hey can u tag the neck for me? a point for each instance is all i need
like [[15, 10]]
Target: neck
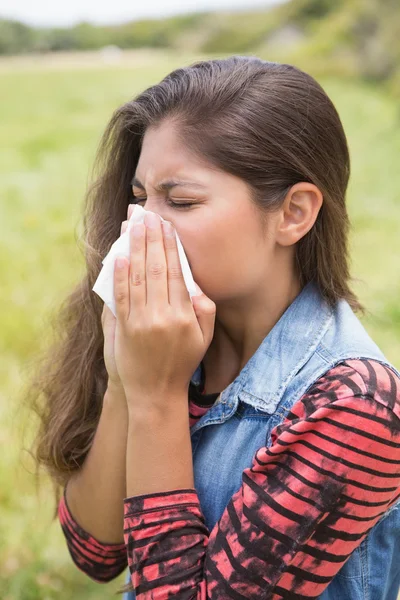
[[242, 324]]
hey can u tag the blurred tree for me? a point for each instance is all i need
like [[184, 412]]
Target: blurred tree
[[15, 37], [353, 37]]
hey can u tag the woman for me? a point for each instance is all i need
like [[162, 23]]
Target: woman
[[283, 480]]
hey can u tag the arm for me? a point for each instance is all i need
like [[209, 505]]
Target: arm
[[303, 507], [91, 513]]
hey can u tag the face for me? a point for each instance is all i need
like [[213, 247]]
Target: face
[[218, 225]]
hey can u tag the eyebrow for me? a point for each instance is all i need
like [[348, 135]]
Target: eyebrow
[[164, 186]]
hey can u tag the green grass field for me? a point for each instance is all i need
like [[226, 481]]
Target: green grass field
[[51, 122]]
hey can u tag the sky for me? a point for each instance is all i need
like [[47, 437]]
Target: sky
[[64, 13]]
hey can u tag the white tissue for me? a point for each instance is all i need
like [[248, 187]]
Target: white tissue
[[104, 285]]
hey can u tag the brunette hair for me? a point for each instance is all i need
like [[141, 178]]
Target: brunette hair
[[270, 124]]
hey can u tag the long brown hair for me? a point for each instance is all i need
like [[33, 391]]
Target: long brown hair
[[270, 124]]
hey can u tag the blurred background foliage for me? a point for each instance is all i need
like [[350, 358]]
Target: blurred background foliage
[[53, 111], [352, 37]]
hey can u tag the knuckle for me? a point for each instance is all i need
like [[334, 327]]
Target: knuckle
[[156, 270], [120, 296], [182, 319], [133, 328], [136, 278], [175, 272], [139, 320], [157, 325]]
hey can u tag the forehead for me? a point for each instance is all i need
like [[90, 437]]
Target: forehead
[[163, 154], [164, 134]]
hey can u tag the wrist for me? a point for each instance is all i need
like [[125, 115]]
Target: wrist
[[147, 407]]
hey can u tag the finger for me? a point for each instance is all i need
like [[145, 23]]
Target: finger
[[108, 314], [130, 209], [177, 290], [124, 225], [104, 312], [121, 288], [137, 268], [156, 264], [107, 317]]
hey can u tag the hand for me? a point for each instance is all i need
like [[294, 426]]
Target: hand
[[108, 323], [160, 336]]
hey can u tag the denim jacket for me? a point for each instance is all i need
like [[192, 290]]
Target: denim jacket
[[309, 339]]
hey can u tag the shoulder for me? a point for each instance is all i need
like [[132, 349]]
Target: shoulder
[[360, 378], [355, 386], [354, 404]]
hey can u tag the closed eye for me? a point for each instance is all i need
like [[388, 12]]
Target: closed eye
[[178, 205]]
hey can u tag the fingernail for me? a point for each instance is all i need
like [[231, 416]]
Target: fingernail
[[168, 229], [120, 262], [151, 220]]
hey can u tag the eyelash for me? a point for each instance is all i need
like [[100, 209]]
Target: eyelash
[[169, 202]]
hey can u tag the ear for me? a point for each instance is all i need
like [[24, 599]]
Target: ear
[[298, 213]]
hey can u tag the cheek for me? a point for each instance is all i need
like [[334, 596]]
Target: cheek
[[221, 263]]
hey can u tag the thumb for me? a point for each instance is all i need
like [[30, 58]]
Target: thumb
[[205, 310]]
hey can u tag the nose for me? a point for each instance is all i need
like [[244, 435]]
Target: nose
[[146, 206]]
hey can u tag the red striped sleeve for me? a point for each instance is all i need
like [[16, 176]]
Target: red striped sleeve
[[307, 501], [196, 412], [100, 561]]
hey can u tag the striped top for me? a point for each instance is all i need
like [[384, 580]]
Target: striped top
[[199, 401], [305, 503]]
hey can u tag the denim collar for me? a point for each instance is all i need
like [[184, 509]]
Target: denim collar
[[287, 347], [283, 352]]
